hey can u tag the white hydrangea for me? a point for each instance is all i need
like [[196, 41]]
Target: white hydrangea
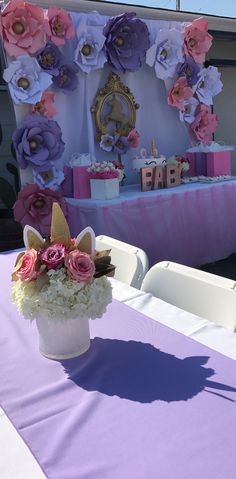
[[61, 298]]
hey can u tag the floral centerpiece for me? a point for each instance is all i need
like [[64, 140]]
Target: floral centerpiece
[[105, 170], [104, 180], [61, 283]]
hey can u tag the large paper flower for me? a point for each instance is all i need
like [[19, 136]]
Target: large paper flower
[[23, 28], [179, 93], [46, 105], [61, 25], [205, 124], [89, 53], [197, 40], [49, 179], [38, 142], [34, 207], [166, 53], [26, 80], [190, 69], [209, 85], [127, 40], [50, 59], [121, 144], [67, 78], [188, 114]]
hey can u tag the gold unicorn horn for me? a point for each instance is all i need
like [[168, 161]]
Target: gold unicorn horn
[[60, 232]]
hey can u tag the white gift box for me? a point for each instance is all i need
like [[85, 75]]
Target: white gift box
[[104, 189]]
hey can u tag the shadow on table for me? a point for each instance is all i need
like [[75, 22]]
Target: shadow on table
[[140, 372]]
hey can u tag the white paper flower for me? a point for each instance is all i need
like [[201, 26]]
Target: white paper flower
[[166, 53], [89, 53], [188, 114], [26, 80], [209, 85], [49, 179]]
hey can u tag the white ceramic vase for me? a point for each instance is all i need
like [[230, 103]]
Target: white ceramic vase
[[63, 338]]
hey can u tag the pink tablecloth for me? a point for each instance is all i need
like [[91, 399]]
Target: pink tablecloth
[[191, 224]]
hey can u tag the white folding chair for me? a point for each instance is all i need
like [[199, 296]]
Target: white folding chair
[[131, 262], [207, 295]]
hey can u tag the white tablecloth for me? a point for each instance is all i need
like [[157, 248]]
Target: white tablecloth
[[17, 462]]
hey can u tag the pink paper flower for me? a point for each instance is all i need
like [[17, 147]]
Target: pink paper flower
[[134, 138], [34, 207], [197, 40], [23, 28], [61, 25], [53, 256], [80, 266], [27, 268], [205, 124], [180, 93], [46, 105]]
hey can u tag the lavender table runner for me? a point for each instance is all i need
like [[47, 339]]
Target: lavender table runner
[[144, 402]]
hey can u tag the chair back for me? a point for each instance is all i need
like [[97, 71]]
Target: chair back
[[131, 262], [207, 295]]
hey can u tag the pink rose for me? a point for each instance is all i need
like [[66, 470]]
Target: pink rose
[[61, 25], [28, 267], [53, 256], [80, 266], [134, 138], [197, 40], [23, 28], [205, 124], [180, 93]]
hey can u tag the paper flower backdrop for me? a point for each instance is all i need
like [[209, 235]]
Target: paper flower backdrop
[[178, 55], [39, 68]]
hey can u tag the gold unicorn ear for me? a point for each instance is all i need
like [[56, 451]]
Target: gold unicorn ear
[[32, 238], [85, 241], [60, 232]]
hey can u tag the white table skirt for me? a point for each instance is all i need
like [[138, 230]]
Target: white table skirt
[[16, 460]]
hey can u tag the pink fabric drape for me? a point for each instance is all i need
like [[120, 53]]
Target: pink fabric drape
[[190, 224]]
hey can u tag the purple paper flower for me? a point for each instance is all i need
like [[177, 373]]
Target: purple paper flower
[[166, 53], [38, 142], [121, 144], [209, 85], [51, 178], [127, 40], [190, 69], [50, 59], [89, 53], [26, 80], [67, 79]]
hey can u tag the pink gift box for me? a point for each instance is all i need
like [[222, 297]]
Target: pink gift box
[[191, 157], [67, 184], [212, 163], [81, 182], [219, 163]]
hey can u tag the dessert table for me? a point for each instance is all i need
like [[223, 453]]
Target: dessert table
[[153, 397], [192, 224]]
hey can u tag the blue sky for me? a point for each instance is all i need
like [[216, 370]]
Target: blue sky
[[224, 8]]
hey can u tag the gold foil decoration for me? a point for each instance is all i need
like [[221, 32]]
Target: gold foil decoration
[[60, 232]]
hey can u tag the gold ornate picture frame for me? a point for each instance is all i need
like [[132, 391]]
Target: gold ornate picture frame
[[114, 109]]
